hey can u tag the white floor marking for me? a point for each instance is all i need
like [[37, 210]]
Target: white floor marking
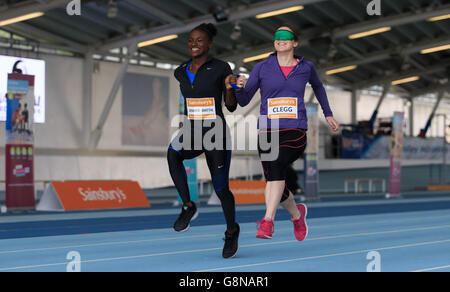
[[432, 269], [254, 245], [328, 255], [281, 230]]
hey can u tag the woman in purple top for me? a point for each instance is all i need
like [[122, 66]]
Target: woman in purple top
[[282, 124]]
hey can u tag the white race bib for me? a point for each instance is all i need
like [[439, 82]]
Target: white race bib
[[201, 108], [282, 108]]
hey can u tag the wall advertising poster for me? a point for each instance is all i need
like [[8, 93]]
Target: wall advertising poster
[[145, 110], [19, 142], [190, 165], [395, 172], [311, 171], [30, 67]]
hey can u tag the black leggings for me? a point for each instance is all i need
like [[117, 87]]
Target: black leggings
[[292, 179], [291, 145], [219, 166]]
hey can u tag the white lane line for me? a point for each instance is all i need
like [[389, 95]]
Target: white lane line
[[431, 269], [328, 255], [111, 259], [335, 225], [102, 244], [241, 246], [379, 233], [206, 209], [215, 235]]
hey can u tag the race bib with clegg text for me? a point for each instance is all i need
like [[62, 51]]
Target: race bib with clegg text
[[282, 108], [201, 108]]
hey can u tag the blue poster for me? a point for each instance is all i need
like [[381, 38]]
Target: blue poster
[[190, 167], [181, 103], [311, 177], [18, 86], [311, 157], [12, 108]]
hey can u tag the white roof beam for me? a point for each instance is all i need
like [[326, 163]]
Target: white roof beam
[[156, 12], [72, 45], [381, 55], [394, 20], [30, 7], [427, 70], [187, 26], [433, 88]]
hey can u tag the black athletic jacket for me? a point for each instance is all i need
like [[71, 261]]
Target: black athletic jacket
[[209, 82]]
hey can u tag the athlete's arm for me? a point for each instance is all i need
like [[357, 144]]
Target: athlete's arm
[[319, 91], [230, 100], [245, 94], [230, 96], [321, 95]]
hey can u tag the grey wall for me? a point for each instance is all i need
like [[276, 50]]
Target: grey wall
[[64, 127]]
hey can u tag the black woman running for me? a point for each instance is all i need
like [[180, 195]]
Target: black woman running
[[202, 84]]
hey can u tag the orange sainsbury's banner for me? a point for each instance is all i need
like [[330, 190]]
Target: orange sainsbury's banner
[[248, 191], [92, 195]]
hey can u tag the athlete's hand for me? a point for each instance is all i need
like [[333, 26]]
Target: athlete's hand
[[241, 81], [230, 79], [235, 80], [333, 124]]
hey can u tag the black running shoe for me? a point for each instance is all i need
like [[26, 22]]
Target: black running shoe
[[187, 215], [231, 246]]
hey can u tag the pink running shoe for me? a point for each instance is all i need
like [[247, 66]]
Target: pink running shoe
[[300, 226], [265, 229]]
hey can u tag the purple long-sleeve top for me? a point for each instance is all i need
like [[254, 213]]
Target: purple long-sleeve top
[[268, 77]]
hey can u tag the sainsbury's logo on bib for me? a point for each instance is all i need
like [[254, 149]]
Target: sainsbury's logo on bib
[[282, 108], [201, 108]]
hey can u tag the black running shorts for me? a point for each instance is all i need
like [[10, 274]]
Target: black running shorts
[[291, 145]]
